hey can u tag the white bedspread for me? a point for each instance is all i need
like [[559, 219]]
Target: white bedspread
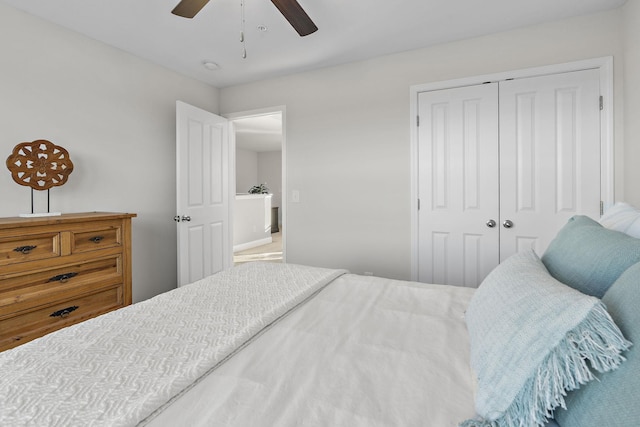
[[120, 367], [364, 352]]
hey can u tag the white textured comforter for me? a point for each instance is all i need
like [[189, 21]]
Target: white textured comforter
[[364, 352], [117, 369]]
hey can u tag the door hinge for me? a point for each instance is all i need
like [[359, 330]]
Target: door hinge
[[418, 204], [601, 207], [601, 102], [418, 121]]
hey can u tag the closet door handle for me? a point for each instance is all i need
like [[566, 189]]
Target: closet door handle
[[491, 223], [507, 224]]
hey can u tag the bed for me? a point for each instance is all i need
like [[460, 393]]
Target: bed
[[291, 345]]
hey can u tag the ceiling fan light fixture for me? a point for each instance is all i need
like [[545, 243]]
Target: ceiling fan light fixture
[[210, 65]]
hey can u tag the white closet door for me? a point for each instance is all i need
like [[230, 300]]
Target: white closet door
[[549, 156], [458, 184]]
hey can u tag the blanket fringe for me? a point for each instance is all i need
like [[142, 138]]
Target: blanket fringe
[[596, 339]]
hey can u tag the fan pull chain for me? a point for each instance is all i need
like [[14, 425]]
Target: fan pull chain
[[244, 47]]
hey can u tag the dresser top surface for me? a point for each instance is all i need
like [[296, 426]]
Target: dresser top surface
[[67, 218]]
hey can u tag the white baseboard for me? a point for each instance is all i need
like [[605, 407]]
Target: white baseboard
[[252, 244]]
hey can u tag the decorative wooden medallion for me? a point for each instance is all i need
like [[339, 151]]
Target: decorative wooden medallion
[[39, 164]]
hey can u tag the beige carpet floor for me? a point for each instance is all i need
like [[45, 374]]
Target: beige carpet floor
[[267, 253]]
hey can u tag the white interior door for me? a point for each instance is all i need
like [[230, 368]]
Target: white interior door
[[458, 184], [202, 170], [549, 156]]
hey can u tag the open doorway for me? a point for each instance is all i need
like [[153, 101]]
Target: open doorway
[[258, 211]]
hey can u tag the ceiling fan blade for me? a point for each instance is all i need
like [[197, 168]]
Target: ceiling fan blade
[[189, 8], [296, 16]]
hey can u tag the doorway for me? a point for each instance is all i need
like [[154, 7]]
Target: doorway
[[258, 218]]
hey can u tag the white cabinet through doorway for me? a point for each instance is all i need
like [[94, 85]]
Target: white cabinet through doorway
[[501, 167]]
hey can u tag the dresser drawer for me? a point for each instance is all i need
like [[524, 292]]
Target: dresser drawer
[[33, 324], [31, 247], [24, 290], [99, 236]]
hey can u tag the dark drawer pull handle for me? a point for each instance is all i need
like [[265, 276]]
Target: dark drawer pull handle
[[64, 312], [25, 249], [96, 239], [62, 278]]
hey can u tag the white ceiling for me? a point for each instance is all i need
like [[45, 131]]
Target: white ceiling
[[348, 30], [259, 133]]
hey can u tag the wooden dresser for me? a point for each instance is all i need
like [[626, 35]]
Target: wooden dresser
[[60, 270]]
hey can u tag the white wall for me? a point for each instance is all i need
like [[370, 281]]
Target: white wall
[[252, 221], [115, 114], [348, 135], [246, 170], [270, 171], [631, 14]]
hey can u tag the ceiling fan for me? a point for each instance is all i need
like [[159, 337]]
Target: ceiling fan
[[290, 9]]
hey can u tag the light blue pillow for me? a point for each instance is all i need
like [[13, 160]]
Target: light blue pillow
[[530, 340], [613, 401], [589, 257]]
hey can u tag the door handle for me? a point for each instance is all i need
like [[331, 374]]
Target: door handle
[[507, 224], [491, 223], [186, 218]]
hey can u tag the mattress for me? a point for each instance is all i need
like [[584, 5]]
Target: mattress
[[365, 351]]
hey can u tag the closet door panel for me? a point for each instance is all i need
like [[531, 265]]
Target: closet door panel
[[525, 153], [549, 156], [458, 181]]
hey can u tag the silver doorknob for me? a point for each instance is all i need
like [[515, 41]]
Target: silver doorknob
[[186, 218], [491, 223], [507, 224]]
